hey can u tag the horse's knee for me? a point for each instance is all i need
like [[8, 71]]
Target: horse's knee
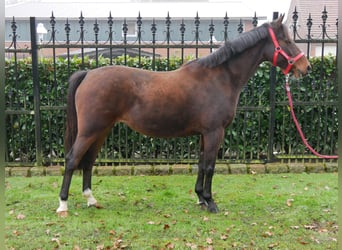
[[198, 189], [209, 171], [199, 184]]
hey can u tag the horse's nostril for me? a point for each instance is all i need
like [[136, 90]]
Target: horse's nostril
[[309, 69]]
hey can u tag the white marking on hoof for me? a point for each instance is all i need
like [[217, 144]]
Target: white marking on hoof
[[205, 203], [90, 198], [63, 206]]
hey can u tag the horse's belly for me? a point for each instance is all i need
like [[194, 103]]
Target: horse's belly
[[162, 126]]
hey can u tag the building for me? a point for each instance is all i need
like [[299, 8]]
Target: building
[[131, 20], [313, 24]]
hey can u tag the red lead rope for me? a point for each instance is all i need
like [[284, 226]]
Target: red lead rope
[[287, 87]]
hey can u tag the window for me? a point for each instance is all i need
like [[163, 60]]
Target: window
[[132, 29]]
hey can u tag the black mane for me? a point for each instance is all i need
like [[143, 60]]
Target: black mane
[[232, 48]]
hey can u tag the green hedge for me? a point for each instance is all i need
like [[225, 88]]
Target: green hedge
[[246, 139]]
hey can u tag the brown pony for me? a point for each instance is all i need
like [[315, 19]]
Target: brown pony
[[199, 98]]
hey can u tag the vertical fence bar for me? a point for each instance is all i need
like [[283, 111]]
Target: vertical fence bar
[[225, 24], [124, 31], [339, 77], [50, 87], [153, 30], [294, 19], [324, 32], [14, 37], [139, 23], [36, 90], [240, 27], [197, 23], [182, 30], [255, 20], [337, 40], [11, 96], [67, 30], [168, 24], [110, 37], [270, 155], [81, 23], [2, 100], [309, 25], [96, 33], [53, 38], [2, 116], [211, 34]]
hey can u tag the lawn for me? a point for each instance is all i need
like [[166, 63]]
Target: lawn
[[288, 211]]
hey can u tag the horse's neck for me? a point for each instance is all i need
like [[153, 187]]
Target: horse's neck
[[245, 64]]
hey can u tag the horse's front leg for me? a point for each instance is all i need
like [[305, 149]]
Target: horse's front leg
[[212, 142], [207, 193]]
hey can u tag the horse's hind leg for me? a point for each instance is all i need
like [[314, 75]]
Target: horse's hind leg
[[73, 158], [87, 166]]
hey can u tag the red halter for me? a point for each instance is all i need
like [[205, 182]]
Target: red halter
[[278, 50]]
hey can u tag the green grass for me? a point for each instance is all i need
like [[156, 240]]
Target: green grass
[[292, 211]]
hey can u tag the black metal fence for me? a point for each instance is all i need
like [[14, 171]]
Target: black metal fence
[[262, 130]]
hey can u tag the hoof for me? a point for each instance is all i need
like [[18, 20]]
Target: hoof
[[62, 214], [208, 205], [212, 208], [96, 205]]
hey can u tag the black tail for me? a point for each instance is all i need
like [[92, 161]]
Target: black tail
[[71, 119]]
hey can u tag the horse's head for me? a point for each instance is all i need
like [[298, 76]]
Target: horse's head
[[283, 51]]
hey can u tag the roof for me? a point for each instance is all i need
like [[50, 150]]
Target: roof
[[73, 8], [305, 8]]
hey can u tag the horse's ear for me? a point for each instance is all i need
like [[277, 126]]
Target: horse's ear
[[280, 19]]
